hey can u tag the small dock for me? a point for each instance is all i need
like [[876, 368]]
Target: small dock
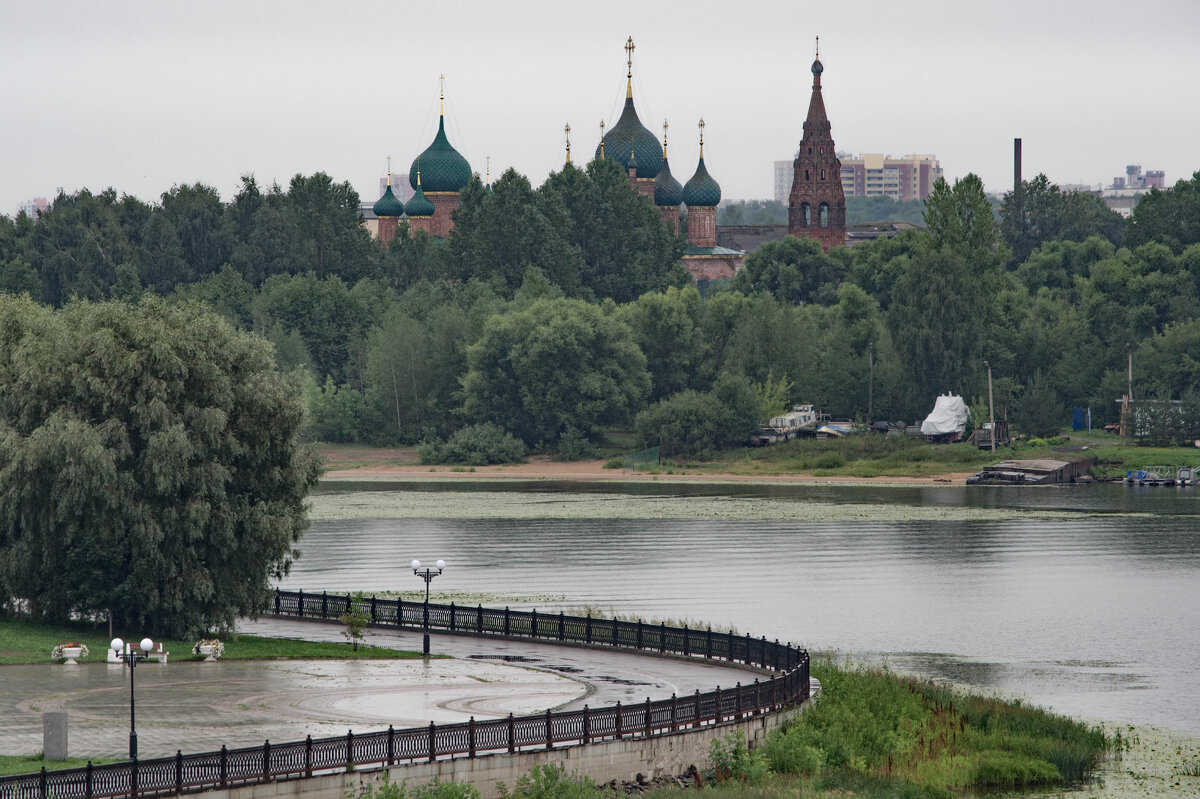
[[1032, 472]]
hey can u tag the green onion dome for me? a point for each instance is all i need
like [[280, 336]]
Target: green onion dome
[[441, 166], [817, 69], [388, 205], [628, 139], [419, 205], [667, 191], [701, 191]]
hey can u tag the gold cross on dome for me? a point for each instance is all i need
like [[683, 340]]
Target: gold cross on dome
[[629, 47], [701, 126], [664, 133], [818, 48]]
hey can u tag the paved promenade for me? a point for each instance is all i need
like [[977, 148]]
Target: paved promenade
[[197, 706]]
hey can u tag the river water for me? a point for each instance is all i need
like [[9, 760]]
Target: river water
[[1084, 599]]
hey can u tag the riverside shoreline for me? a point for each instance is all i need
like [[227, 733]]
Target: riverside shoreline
[[542, 467]]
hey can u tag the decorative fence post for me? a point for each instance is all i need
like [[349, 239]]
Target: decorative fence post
[[300, 603], [374, 617], [87, 781], [685, 641], [639, 633], [391, 744], [512, 734], [618, 720], [506, 619], [452, 617], [224, 767], [708, 645], [432, 743], [647, 717], [662, 637], [471, 738], [533, 623], [479, 619], [587, 626], [587, 725], [696, 709], [308, 756], [349, 749], [758, 706], [324, 605], [399, 612], [717, 709], [561, 626], [549, 730], [266, 772], [737, 706], [178, 772], [42, 785], [276, 601], [133, 779], [674, 712]]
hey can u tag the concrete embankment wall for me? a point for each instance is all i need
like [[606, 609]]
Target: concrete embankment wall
[[657, 756]]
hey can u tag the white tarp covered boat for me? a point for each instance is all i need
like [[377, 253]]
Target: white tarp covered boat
[[948, 418]]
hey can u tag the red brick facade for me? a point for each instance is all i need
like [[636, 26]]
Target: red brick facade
[[444, 204], [702, 227]]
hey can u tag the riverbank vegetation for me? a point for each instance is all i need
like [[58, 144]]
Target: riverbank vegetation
[[587, 319], [24, 641]]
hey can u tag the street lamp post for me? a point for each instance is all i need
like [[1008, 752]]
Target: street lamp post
[[991, 408], [131, 656], [427, 574]]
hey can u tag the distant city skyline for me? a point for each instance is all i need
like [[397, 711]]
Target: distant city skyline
[[141, 96]]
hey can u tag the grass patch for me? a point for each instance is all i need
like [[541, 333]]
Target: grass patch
[[935, 740], [23, 641], [29, 764]]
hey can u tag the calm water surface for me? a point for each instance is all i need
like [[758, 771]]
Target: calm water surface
[[1092, 610]]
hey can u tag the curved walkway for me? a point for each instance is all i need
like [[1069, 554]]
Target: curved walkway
[[198, 707]]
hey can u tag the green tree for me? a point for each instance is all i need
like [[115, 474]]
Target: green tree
[[1040, 411], [936, 326], [1170, 217], [793, 270], [149, 465], [558, 364], [961, 218], [1038, 211], [666, 328]]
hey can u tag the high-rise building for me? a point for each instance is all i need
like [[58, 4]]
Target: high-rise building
[[34, 207], [817, 204], [902, 179]]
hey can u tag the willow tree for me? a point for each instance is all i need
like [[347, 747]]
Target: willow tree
[[150, 465]]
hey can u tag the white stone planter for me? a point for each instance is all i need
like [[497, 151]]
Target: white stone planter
[[207, 651], [70, 653]]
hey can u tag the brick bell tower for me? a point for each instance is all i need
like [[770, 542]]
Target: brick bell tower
[[817, 204]]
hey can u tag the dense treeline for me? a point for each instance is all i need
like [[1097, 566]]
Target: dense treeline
[[552, 312]]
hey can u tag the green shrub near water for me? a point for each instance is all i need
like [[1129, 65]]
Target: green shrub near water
[[474, 445]]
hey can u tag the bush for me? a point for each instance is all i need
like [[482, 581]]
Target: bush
[[475, 445], [731, 760], [551, 781], [573, 445]]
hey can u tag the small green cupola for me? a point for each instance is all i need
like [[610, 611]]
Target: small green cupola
[[388, 204], [701, 191], [443, 167], [668, 193], [419, 205]]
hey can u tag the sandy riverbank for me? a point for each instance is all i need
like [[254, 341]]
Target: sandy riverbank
[[399, 464]]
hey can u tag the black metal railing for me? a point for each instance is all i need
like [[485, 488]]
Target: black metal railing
[[255, 764]]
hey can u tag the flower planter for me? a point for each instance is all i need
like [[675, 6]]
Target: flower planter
[[206, 650], [70, 653]]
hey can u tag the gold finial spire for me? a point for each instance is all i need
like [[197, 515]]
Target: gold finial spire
[[664, 138], [567, 131], [389, 170], [602, 138], [629, 46], [442, 83], [418, 177], [701, 137], [818, 48], [489, 170]]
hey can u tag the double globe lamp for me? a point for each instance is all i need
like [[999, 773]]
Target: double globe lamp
[[127, 653], [427, 574]]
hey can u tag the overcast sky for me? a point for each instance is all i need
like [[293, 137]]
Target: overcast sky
[[143, 95]]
